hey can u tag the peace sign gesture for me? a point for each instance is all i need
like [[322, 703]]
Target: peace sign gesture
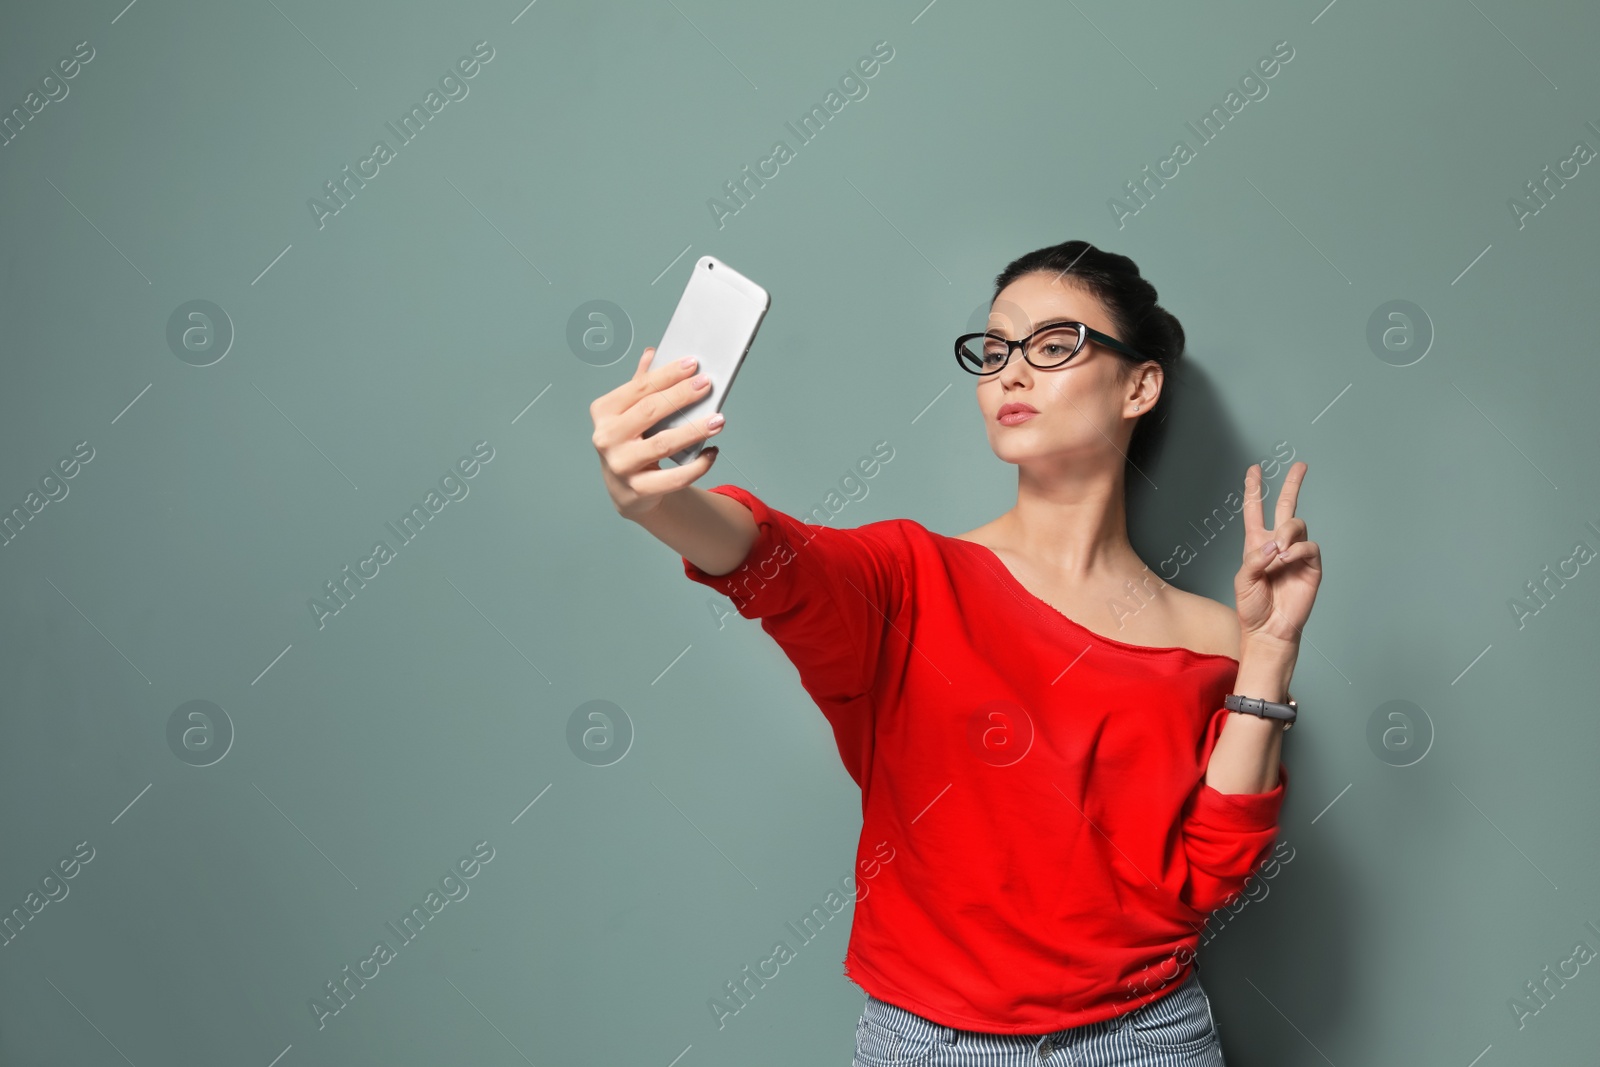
[[1274, 588]]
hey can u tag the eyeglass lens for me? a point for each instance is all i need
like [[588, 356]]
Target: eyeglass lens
[[1048, 349]]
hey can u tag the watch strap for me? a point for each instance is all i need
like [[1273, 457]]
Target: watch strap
[[1266, 709]]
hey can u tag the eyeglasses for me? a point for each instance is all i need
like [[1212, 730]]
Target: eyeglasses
[[1054, 343]]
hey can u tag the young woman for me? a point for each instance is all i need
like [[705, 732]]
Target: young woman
[[1049, 811]]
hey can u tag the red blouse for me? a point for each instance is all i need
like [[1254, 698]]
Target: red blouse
[[1056, 848]]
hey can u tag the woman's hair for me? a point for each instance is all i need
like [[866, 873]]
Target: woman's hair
[[1136, 320]]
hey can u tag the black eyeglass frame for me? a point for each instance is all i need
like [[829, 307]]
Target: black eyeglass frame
[[1085, 334]]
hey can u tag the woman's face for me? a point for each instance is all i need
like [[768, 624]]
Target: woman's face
[[1085, 407]]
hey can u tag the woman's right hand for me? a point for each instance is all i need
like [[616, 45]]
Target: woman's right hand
[[631, 463]]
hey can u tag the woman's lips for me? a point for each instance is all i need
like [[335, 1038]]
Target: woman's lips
[[1015, 417]]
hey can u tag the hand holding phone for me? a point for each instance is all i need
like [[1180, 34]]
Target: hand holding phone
[[631, 465]]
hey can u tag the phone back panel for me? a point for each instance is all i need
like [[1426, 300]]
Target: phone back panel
[[716, 320]]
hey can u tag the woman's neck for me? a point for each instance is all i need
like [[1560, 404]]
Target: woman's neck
[[1076, 526]]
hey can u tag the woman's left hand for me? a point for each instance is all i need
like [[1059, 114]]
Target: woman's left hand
[[1274, 590]]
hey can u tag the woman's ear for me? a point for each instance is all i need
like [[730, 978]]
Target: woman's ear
[[1147, 380]]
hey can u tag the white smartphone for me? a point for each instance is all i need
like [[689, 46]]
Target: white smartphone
[[715, 321]]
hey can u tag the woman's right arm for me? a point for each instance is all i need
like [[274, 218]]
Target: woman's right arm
[[710, 530], [832, 598]]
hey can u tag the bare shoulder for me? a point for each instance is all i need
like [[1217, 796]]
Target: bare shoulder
[[1209, 625], [979, 535]]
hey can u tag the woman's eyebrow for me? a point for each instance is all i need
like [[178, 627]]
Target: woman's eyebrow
[[1041, 326]]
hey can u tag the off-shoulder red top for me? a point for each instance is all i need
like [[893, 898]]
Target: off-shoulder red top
[[1056, 848]]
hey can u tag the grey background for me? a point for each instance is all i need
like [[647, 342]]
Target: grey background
[[371, 354]]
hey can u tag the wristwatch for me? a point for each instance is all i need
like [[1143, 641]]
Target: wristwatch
[[1266, 709]]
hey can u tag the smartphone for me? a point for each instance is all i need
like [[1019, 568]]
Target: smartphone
[[715, 321]]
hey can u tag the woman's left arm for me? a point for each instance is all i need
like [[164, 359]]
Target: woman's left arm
[[1274, 591]]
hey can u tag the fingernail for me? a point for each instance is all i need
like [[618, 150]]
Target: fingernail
[[716, 420], [699, 380], [686, 361], [1269, 548]]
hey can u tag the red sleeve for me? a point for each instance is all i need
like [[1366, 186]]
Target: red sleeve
[[1226, 835], [830, 597]]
